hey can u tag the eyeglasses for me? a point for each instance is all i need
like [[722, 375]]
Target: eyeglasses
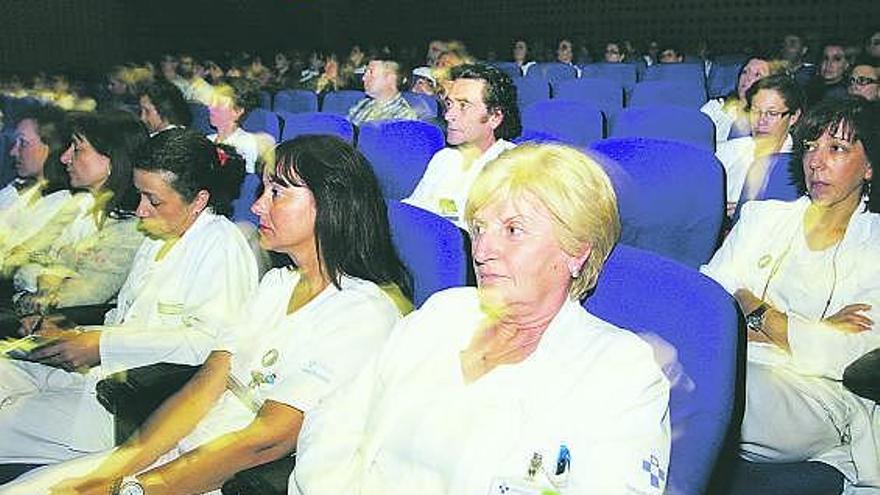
[[769, 114], [861, 80]]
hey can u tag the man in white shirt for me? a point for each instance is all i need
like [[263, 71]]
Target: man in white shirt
[[481, 115]]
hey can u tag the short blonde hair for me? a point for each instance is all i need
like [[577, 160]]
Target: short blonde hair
[[574, 189]]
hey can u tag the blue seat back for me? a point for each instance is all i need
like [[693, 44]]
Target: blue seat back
[[241, 206], [531, 90], [426, 106], [667, 93], [573, 122], [297, 124], [431, 247], [552, 71], [624, 74], [778, 182], [296, 101], [670, 195], [399, 151], [534, 136], [688, 73], [687, 125], [339, 102], [262, 121], [648, 294], [509, 68], [604, 94], [265, 100], [723, 78], [201, 118]]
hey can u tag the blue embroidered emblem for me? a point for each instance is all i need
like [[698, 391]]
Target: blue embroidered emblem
[[652, 467]]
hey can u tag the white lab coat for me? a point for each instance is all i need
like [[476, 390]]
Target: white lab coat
[[447, 181], [410, 424], [169, 311], [294, 359], [770, 233]]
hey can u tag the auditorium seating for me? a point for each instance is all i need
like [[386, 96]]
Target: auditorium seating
[[297, 124], [688, 125], [667, 93], [295, 101], [339, 102], [604, 94], [670, 195], [260, 120], [572, 122], [692, 323], [399, 151]]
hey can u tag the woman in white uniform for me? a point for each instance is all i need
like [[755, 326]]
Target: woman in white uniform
[[730, 115], [41, 186], [83, 254], [510, 387], [164, 312], [806, 276], [309, 328], [774, 105]]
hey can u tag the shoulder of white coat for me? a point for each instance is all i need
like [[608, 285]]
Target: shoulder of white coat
[[770, 209], [368, 300], [621, 343]]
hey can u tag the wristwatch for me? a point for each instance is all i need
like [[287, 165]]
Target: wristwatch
[[130, 486], [755, 319]]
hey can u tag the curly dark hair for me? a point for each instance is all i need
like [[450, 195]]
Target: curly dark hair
[[352, 234], [499, 95], [851, 119]]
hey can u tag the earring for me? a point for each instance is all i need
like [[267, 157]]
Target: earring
[[575, 273], [866, 189]]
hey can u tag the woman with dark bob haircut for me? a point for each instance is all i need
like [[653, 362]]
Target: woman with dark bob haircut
[[162, 313], [806, 277], [310, 327]]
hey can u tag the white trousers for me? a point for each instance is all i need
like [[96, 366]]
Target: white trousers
[[48, 415]]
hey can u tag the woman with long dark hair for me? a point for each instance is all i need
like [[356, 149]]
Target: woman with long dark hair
[[310, 327]]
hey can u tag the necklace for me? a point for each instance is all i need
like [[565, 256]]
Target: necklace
[[775, 269]]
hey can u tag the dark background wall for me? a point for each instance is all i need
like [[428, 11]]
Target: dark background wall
[[86, 34]]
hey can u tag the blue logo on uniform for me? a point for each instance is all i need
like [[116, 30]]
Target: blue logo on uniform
[[652, 467]]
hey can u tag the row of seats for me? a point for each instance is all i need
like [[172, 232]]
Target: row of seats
[[720, 80]]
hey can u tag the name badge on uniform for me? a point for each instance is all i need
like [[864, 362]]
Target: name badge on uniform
[[447, 208], [169, 308]]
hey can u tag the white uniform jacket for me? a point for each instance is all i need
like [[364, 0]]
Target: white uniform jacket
[[448, 178], [410, 424], [768, 237], [171, 310]]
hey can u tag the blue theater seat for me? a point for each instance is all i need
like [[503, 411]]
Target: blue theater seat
[[399, 151], [670, 196], [572, 122], [691, 313], [688, 125], [297, 124]]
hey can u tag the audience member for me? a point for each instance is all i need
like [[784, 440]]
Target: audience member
[[794, 52], [729, 114], [162, 314], [799, 271], [232, 101], [671, 54], [163, 107], [458, 399], [481, 115], [831, 81], [40, 188], [384, 101], [864, 81], [308, 329], [774, 105], [614, 53], [521, 56]]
